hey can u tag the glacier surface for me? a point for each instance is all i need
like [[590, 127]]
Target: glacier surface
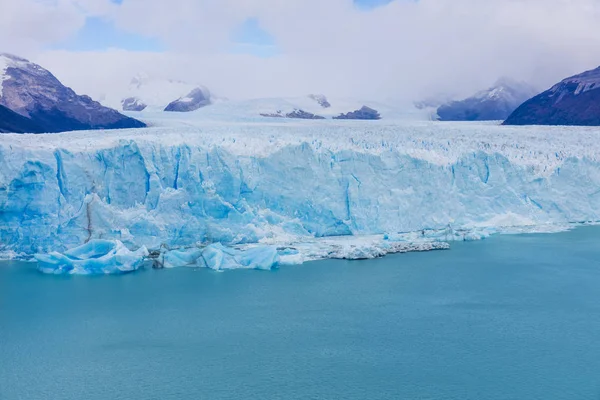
[[285, 183]]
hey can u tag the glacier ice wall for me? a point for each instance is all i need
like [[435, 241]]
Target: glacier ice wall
[[159, 187]]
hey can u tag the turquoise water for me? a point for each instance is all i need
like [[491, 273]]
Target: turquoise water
[[513, 317]]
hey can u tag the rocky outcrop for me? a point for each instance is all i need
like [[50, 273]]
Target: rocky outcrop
[[34, 93], [321, 99], [298, 114], [573, 101], [195, 100], [493, 104], [133, 104], [11, 122], [365, 112]]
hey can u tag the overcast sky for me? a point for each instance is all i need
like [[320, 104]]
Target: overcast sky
[[401, 49]]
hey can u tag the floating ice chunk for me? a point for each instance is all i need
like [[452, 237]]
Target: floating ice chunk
[[182, 258], [262, 257], [95, 257], [218, 257]]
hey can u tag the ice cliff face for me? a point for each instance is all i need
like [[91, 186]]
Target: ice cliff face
[[250, 183]]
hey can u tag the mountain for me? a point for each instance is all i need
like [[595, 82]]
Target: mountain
[[133, 104], [297, 114], [314, 106], [573, 101], [197, 98], [155, 94], [365, 112], [11, 122], [321, 99], [47, 105], [495, 103]]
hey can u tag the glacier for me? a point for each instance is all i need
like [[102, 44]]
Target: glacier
[[206, 193]]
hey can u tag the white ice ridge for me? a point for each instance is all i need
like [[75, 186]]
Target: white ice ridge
[[236, 184]]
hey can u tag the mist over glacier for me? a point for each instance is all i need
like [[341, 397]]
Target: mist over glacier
[[180, 186]]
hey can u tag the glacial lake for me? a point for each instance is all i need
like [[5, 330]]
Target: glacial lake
[[511, 317]]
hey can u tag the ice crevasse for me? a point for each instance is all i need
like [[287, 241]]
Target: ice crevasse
[[192, 188]]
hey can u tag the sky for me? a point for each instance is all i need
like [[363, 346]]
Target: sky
[[405, 50]]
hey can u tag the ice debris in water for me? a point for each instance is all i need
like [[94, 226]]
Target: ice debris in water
[[266, 257], [94, 257], [443, 235], [218, 257], [111, 257]]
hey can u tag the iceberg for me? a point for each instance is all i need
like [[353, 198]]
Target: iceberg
[[213, 188], [218, 257], [94, 257]]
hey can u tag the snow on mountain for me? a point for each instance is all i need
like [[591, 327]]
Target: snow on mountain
[[291, 185], [492, 104], [34, 93], [155, 93], [6, 60], [259, 110], [321, 99], [573, 101], [133, 104], [197, 98]]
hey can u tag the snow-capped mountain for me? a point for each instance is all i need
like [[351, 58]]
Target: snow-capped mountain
[[147, 93], [197, 98], [573, 101], [495, 103], [133, 104], [35, 94]]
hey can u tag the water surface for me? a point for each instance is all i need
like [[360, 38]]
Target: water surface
[[512, 317]]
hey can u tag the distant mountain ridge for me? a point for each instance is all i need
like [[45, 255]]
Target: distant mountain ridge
[[573, 101], [147, 93], [47, 105], [494, 103], [197, 98]]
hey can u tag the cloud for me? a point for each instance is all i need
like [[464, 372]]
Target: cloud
[[27, 26], [406, 49]]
